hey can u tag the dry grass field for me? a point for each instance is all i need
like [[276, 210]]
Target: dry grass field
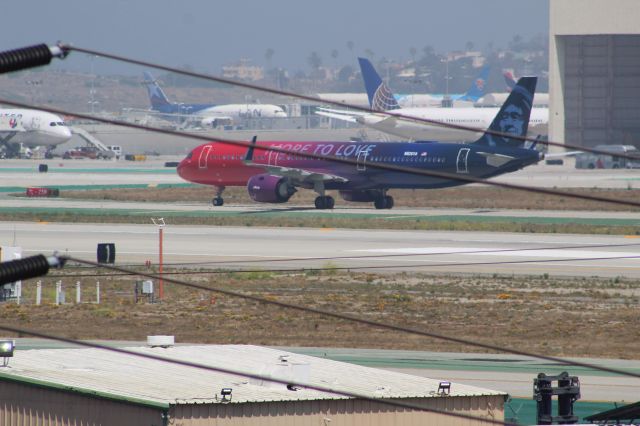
[[555, 316]]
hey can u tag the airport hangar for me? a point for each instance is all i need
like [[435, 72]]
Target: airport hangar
[[58, 387], [594, 72]]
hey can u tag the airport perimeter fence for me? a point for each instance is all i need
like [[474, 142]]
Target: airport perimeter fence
[[75, 292]]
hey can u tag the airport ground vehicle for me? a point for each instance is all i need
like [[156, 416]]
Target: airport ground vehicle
[[87, 152], [117, 151], [588, 160]]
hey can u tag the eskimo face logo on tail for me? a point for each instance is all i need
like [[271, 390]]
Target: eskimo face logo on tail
[[480, 83], [383, 99], [513, 118]]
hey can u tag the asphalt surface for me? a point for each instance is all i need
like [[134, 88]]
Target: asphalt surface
[[376, 251]]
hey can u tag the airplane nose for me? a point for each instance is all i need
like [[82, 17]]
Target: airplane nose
[[65, 132], [184, 169], [180, 169]]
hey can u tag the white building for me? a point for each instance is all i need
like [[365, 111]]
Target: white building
[[93, 386], [594, 72]]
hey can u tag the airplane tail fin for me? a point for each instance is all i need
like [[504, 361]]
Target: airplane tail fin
[[380, 96], [477, 88], [513, 117], [509, 79], [156, 96]]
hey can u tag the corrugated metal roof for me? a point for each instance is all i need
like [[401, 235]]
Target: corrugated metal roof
[[156, 382]]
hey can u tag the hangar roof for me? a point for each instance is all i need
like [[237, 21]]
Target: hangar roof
[[156, 383]]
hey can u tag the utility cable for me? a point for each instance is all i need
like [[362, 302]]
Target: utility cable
[[358, 320], [37, 55], [119, 58], [381, 256], [356, 268]]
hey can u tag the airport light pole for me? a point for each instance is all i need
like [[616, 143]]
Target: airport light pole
[[159, 222]]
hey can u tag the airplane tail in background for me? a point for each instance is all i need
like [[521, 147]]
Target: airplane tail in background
[[509, 79], [513, 116], [380, 96], [477, 88], [156, 96]]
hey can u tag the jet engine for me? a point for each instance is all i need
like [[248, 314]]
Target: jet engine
[[270, 189]]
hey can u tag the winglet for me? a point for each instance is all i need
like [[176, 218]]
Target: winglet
[[248, 158]]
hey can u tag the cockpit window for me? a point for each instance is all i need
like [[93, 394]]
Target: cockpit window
[[60, 123], [52, 124], [189, 155]]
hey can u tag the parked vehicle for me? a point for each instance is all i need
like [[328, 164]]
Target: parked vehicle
[[117, 151], [86, 152], [588, 160]]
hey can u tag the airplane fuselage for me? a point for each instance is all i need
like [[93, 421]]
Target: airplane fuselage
[[32, 128], [479, 118], [220, 164]]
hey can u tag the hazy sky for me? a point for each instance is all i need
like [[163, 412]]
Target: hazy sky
[[207, 33]]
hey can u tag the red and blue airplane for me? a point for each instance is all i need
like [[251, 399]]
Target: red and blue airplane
[[273, 177]]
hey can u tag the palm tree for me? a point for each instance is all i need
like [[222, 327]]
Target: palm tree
[[369, 54], [350, 46], [268, 55], [315, 61]]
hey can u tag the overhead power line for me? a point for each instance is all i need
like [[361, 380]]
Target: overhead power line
[[120, 58], [383, 256]]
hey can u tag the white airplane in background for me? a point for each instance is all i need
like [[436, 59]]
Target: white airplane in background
[[30, 128], [381, 99], [207, 115], [498, 98], [475, 92]]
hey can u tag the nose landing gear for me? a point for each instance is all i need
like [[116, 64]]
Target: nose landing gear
[[218, 200]]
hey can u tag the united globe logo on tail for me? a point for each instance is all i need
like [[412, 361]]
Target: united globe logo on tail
[[383, 99]]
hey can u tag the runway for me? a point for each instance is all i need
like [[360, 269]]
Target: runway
[[384, 251]]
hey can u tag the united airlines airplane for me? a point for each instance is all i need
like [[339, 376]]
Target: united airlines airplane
[[273, 177], [381, 99]]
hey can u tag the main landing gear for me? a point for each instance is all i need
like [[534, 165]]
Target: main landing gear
[[218, 200], [325, 202], [384, 202]]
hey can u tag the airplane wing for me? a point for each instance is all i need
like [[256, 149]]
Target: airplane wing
[[344, 112], [380, 121], [563, 154], [346, 118], [299, 177]]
